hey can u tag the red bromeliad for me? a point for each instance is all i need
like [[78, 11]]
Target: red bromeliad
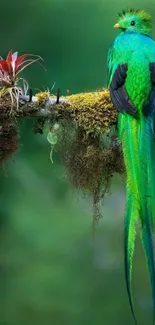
[[13, 66]]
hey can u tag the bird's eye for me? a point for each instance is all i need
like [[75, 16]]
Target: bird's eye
[[132, 23]]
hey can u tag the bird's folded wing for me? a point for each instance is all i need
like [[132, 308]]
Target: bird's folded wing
[[149, 107], [118, 92]]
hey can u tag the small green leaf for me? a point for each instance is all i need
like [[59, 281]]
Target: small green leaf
[[52, 138]]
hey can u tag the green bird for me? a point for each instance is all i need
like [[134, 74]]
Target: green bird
[[131, 80]]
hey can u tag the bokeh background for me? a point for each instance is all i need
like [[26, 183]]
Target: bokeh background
[[52, 271]]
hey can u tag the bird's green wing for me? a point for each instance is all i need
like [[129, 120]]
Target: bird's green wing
[[116, 81]]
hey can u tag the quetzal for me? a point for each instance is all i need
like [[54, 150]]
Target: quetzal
[[131, 67]]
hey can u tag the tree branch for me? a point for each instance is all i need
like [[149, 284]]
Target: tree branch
[[93, 111]]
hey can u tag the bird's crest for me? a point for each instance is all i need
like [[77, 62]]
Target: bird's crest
[[141, 13]]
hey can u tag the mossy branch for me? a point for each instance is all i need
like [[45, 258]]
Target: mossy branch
[[93, 111]]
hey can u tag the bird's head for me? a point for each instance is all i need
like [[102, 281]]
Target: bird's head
[[137, 21]]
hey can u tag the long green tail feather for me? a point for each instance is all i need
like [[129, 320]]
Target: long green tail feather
[[139, 155], [147, 147], [128, 134], [129, 242], [146, 238]]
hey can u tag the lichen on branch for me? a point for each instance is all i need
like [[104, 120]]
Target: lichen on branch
[[93, 111]]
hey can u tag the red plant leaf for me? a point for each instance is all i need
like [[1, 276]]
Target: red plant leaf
[[25, 64], [4, 66], [9, 56], [9, 60], [20, 59], [13, 65]]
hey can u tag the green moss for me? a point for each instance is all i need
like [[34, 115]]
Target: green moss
[[93, 111], [90, 161]]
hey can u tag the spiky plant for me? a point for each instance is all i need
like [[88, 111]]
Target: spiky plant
[[12, 86], [10, 70]]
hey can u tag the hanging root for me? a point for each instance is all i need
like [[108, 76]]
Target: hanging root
[[9, 133], [90, 162], [8, 139], [89, 146]]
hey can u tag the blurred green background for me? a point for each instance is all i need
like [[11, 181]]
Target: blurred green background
[[52, 272]]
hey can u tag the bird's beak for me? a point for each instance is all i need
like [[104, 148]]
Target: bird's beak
[[117, 26]]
